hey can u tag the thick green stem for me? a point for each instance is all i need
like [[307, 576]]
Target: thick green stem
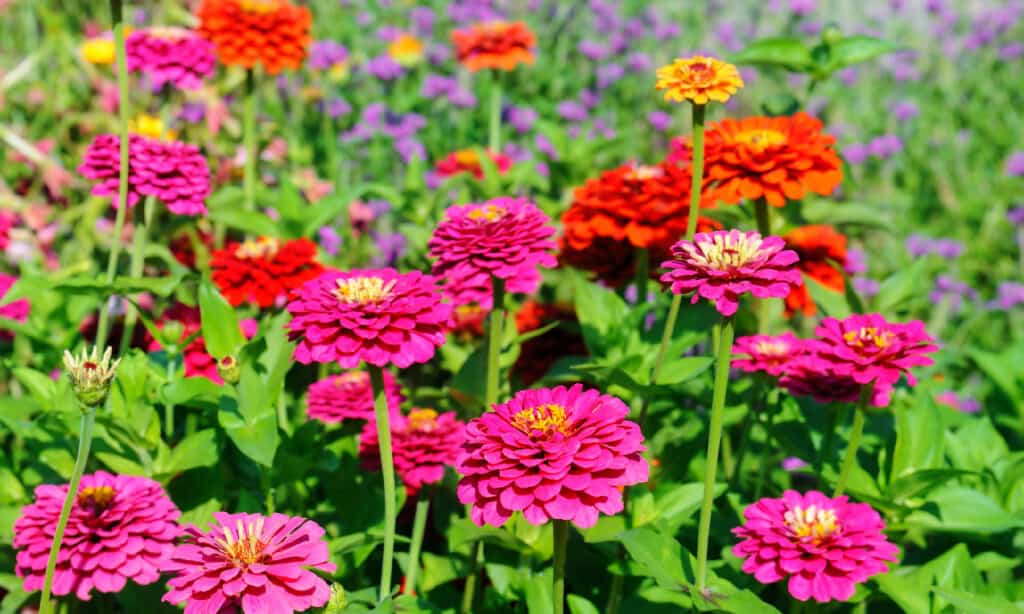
[[475, 562], [169, 407], [561, 540], [494, 127], [249, 129], [494, 333], [136, 267], [763, 216], [697, 174], [84, 441], [859, 418], [387, 467], [419, 525], [714, 440]]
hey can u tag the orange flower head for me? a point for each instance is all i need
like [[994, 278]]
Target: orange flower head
[[274, 33], [819, 246], [406, 49], [698, 79], [494, 44], [778, 159]]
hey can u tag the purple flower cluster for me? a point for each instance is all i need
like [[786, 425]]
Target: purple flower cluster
[[438, 86], [1015, 164], [1009, 294], [953, 291], [881, 147], [920, 245], [325, 54], [401, 128]]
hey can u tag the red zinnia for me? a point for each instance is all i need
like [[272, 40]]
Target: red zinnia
[[274, 33], [261, 271], [818, 246], [494, 44]]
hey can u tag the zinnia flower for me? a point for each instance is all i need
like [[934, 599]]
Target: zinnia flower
[[422, 443], [251, 563], [171, 171], [15, 310], [494, 44], [170, 55], [121, 528], [823, 546], [562, 453], [808, 375], [263, 270], [349, 396], [406, 49], [818, 246], [625, 209], [698, 79], [380, 316], [722, 265], [467, 161], [99, 51], [507, 238], [775, 158], [766, 353], [274, 33]]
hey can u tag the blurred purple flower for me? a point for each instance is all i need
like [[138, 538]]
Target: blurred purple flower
[[667, 31], [545, 146], [856, 261], [634, 28], [336, 107], [659, 120], [609, 74], [639, 62], [865, 286], [388, 33], [904, 110], [330, 242], [917, 245], [390, 246], [422, 18], [1016, 216], [948, 248], [1009, 294], [856, 153], [409, 147], [589, 98], [438, 54], [435, 86], [848, 76], [325, 54], [192, 112], [1011, 51], [572, 111], [593, 50], [522, 118], [792, 463], [384, 68], [810, 27], [963, 403], [462, 98], [885, 146], [1015, 164]]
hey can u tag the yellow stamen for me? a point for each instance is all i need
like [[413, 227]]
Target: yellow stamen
[[246, 546], [726, 251], [467, 157], [422, 420], [543, 418], [406, 49], [644, 172], [351, 378], [490, 213], [760, 139], [260, 6], [772, 348], [264, 247], [867, 336], [362, 289], [97, 497], [814, 522]]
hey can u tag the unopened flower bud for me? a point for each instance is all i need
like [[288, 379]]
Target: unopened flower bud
[[227, 368], [338, 602], [171, 333], [90, 374]]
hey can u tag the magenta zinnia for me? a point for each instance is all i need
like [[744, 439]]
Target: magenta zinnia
[[810, 376], [423, 444], [823, 546], [561, 453], [121, 528], [720, 266], [170, 55], [349, 397], [766, 353], [251, 563], [507, 238], [381, 316]]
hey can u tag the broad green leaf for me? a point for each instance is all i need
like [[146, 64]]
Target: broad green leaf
[[918, 439], [199, 449], [41, 387], [683, 369], [783, 51], [257, 439], [1003, 369], [855, 50], [896, 290], [580, 605], [219, 322], [251, 222], [832, 303], [973, 603], [601, 312], [965, 510], [538, 592], [920, 482]]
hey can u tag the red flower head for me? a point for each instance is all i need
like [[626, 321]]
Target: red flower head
[[423, 444], [766, 353], [775, 158], [274, 33], [562, 453], [816, 245], [264, 270], [823, 546], [349, 396], [467, 161], [494, 44]]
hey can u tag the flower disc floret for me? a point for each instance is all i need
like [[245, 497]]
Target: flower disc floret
[[699, 79]]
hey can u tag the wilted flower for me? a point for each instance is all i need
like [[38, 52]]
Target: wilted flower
[[423, 443], [698, 79], [348, 396], [263, 270], [90, 374], [274, 33]]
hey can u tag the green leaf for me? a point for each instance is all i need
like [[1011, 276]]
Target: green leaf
[[784, 51], [973, 603], [580, 605], [601, 312], [538, 592], [918, 439], [832, 303], [920, 482], [40, 386], [249, 420], [962, 509], [250, 222], [97, 285], [904, 285], [1003, 369], [659, 555], [683, 369], [855, 50], [219, 322], [197, 450]]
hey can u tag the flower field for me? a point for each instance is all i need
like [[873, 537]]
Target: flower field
[[511, 306]]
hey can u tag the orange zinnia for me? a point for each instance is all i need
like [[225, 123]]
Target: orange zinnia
[[818, 246], [624, 209], [774, 158], [273, 33], [698, 79], [494, 44]]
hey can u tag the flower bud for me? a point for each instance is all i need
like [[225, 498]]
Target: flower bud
[[338, 602], [90, 374], [171, 333], [227, 368]]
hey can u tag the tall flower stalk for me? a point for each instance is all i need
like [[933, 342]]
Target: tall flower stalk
[[560, 538], [387, 467], [419, 525], [850, 457], [494, 120], [249, 129]]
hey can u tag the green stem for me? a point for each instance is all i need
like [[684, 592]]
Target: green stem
[[103, 327], [560, 538], [84, 441], [169, 407], [249, 129], [763, 215], [765, 454], [282, 414], [136, 267], [697, 174], [859, 418], [494, 333], [714, 440], [642, 273], [659, 359], [494, 128], [615, 594], [828, 439], [469, 594], [387, 467], [419, 525]]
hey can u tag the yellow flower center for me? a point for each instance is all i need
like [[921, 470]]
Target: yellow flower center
[[700, 72], [423, 420], [467, 157], [351, 378], [544, 418], [263, 247], [245, 546], [772, 348], [813, 522], [97, 498], [643, 172], [406, 49], [727, 251], [167, 32], [490, 213], [98, 51], [866, 336], [468, 311], [761, 139], [362, 289], [152, 127], [260, 6]]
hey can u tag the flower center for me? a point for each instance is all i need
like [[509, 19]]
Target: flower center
[[544, 418], [701, 72], [867, 336], [729, 251], [244, 547], [362, 289], [263, 247], [761, 139], [643, 172], [96, 498], [260, 6], [351, 378], [167, 32], [813, 522], [772, 348], [490, 213], [467, 157], [423, 420]]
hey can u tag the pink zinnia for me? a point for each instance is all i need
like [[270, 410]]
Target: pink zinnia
[[869, 349], [810, 376], [380, 316], [250, 562], [562, 453], [349, 396], [823, 546], [170, 55], [767, 353], [722, 265], [173, 172], [508, 238], [121, 528], [15, 310], [422, 443]]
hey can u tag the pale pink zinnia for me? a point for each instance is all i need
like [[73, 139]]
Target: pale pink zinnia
[[348, 396], [381, 316], [562, 453], [766, 353], [722, 265], [810, 376], [823, 546], [252, 563], [174, 173], [507, 238], [871, 350], [121, 528], [423, 443], [170, 55]]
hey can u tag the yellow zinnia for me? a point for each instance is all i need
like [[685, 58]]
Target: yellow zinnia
[[698, 79]]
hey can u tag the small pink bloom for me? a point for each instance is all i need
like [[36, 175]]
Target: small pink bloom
[[16, 310], [170, 55], [823, 546], [423, 443], [349, 396], [811, 376], [251, 563], [121, 528], [720, 266], [767, 353], [562, 453]]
